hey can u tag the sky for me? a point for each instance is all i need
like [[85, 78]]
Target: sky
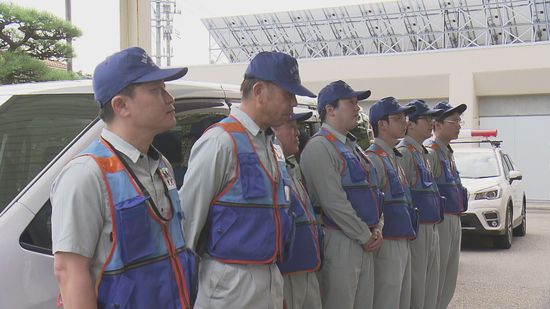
[[98, 20]]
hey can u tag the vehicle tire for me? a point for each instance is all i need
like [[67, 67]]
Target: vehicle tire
[[521, 229], [505, 241]]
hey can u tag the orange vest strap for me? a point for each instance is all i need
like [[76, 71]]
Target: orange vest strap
[[232, 127]]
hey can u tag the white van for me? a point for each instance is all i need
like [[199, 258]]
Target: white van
[[44, 125]]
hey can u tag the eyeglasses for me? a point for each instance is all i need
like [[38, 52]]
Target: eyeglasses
[[460, 122]]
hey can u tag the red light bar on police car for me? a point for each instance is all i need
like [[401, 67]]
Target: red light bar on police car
[[466, 133]]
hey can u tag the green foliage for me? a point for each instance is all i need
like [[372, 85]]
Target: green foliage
[[39, 34], [18, 67], [27, 37]]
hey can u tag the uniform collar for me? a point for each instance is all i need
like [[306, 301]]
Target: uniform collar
[[126, 148], [389, 150], [248, 123], [339, 136], [443, 146], [415, 144]]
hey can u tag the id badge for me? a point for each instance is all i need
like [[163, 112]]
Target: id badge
[[287, 194], [167, 178]]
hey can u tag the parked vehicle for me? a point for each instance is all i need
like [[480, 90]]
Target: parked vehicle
[[496, 195], [44, 125]]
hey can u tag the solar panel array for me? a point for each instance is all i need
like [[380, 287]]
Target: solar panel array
[[379, 28]]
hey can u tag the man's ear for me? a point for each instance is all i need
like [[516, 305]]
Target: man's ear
[[120, 105], [329, 109], [259, 90]]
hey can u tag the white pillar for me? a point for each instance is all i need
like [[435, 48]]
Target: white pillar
[[135, 24], [462, 91]]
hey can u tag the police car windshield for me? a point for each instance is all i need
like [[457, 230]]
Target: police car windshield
[[477, 164]]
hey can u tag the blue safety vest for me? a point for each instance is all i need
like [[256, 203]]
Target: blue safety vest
[[449, 184], [250, 222], [424, 193], [360, 184], [149, 265], [400, 218], [305, 253]]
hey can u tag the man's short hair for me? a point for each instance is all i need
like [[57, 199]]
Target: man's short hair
[[375, 129], [247, 85], [106, 112], [323, 112]]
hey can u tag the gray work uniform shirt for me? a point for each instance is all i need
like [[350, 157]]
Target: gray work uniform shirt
[[321, 165], [211, 168], [81, 218]]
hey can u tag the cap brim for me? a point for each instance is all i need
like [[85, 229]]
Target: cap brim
[[362, 95], [296, 89], [301, 116], [405, 110], [433, 112], [457, 109], [162, 74]]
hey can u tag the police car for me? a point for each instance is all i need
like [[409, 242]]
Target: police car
[[496, 195], [44, 125]]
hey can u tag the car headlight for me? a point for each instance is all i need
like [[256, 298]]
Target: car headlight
[[488, 194]]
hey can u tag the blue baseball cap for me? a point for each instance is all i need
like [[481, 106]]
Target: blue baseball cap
[[301, 116], [449, 109], [128, 66], [280, 69], [338, 90], [422, 109], [387, 106]]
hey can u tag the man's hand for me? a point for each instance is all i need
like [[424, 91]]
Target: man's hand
[[374, 242], [73, 275]]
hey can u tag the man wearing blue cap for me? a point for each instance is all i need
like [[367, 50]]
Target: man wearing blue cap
[[116, 219], [236, 192], [301, 288], [342, 183], [446, 128], [392, 282], [425, 197]]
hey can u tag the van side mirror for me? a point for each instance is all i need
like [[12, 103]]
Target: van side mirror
[[515, 175]]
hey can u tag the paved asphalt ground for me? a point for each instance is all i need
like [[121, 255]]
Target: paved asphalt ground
[[515, 278]]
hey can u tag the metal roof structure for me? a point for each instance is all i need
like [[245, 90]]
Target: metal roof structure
[[379, 28]]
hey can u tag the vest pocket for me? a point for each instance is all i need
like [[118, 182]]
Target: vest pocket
[[134, 229], [364, 202], [116, 292], [356, 171], [221, 225], [398, 222], [251, 176], [242, 233]]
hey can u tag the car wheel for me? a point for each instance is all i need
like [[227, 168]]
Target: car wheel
[[505, 241], [521, 229]]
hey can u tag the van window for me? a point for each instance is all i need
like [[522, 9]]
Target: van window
[[194, 116], [33, 130], [176, 144]]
